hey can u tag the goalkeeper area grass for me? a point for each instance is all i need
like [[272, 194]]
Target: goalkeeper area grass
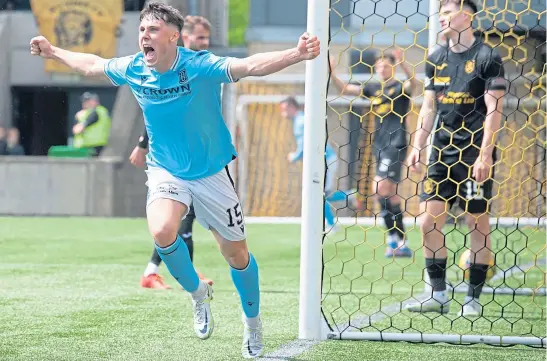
[[69, 290]]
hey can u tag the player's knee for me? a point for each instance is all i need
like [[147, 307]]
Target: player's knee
[[238, 256], [471, 223], [384, 189], [479, 228], [164, 233], [427, 223]]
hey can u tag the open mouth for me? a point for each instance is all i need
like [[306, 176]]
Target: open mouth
[[149, 52]]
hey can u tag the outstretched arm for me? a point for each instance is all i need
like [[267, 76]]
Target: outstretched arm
[[268, 63], [86, 64]]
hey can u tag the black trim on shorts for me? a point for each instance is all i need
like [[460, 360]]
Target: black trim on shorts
[[230, 177], [228, 173]]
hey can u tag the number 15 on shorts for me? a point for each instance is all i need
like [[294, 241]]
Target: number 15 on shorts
[[235, 217], [473, 190]]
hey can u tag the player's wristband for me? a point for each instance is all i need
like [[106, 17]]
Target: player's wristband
[[143, 142]]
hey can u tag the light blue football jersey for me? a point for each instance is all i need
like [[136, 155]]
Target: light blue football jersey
[[182, 111], [298, 131]]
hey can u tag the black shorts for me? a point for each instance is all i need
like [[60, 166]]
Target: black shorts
[[191, 213], [454, 183], [389, 162], [186, 225]]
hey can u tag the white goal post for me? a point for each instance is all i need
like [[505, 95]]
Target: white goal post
[[310, 319]]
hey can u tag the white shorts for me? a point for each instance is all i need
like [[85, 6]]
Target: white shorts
[[216, 203]]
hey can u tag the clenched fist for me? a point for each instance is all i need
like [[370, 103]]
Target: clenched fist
[[138, 157], [308, 46], [40, 46]]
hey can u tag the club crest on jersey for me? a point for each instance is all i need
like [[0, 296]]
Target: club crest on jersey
[[469, 66], [144, 78], [183, 78]]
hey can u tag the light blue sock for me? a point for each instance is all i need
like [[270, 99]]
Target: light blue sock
[[329, 214], [337, 196], [248, 288], [177, 260]]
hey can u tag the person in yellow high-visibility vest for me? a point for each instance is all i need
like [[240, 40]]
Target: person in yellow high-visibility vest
[[92, 129]]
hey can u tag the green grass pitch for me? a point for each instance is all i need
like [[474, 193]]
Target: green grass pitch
[[69, 290]]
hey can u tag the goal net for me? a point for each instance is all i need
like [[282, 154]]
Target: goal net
[[364, 293]]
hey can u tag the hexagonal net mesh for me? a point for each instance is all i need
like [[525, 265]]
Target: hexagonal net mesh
[[482, 234], [376, 279]]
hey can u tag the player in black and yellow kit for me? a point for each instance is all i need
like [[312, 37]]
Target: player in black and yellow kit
[[462, 109], [389, 102]]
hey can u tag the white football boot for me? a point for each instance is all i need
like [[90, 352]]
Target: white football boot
[[438, 303], [252, 346], [471, 308], [203, 318]]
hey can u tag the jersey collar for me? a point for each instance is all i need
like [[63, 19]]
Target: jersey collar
[[173, 66], [176, 61]]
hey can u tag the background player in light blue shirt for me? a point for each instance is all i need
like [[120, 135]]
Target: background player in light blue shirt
[[190, 147], [290, 109]]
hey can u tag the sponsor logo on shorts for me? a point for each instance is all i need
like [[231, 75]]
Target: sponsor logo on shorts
[[469, 66], [429, 186], [169, 189]]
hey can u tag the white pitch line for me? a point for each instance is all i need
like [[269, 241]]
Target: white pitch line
[[290, 350]]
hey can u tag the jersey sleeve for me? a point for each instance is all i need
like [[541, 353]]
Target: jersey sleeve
[[116, 68], [214, 68], [493, 72], [429, 81], [367, 90]]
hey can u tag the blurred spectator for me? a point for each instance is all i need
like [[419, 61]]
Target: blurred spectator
[[13, 145], [92, 129], [14, 5], [3, 143], [6, 5]]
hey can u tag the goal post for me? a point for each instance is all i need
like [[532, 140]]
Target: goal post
[[313, 176]]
